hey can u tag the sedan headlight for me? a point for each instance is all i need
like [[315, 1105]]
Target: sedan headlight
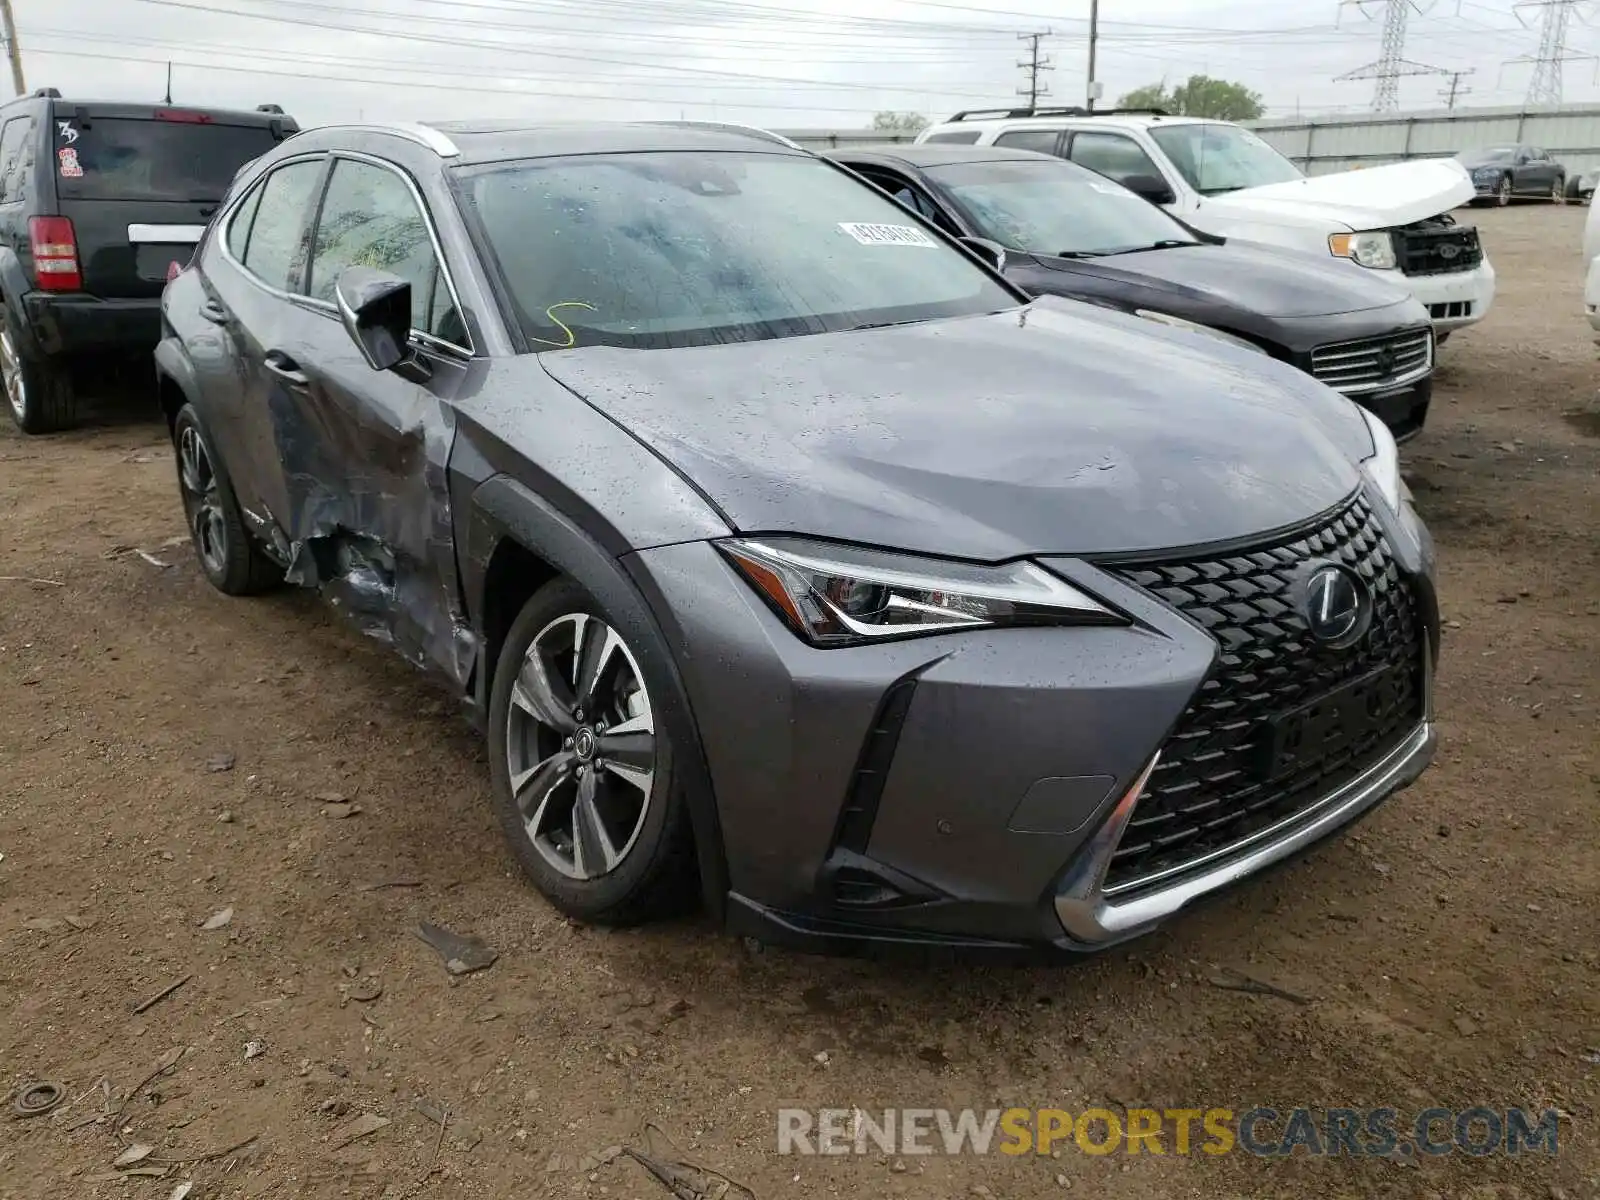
[[1195, 327], [1383, 468], [1373, 249], [835, 595]]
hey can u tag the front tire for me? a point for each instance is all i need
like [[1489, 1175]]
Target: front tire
[[585, 786], [39, 396], [229, 557], [1503, 197], [1558, 192]]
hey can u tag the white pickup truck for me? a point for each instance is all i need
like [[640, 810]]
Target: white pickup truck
[[1394, 220]]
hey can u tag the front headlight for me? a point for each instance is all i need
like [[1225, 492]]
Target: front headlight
[[1195, 327], [1383, 468], [1372, 249], [835, 595]]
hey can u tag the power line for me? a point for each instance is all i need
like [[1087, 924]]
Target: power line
[[1392, 64], [1555, 20], [411, 82], [1034, 65]]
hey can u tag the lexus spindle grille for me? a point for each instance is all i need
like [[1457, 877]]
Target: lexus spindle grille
[[1282, 722]]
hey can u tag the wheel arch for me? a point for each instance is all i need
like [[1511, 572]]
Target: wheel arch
[[523, 542], [175, 382]]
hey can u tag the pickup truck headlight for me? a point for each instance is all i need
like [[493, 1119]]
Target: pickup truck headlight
[[837, 595], [1195, 327], [1372, 249], [1383, 468]]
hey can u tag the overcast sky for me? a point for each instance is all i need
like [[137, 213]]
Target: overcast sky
[[817, 64]]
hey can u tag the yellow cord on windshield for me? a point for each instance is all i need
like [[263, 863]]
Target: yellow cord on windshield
[[572, 338]]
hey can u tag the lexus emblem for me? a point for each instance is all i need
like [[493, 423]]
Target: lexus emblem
[[1337, 606]]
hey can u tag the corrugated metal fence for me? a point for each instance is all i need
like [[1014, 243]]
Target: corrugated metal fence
[[1340, 143]]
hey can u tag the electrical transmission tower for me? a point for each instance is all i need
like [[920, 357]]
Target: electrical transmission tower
[[1450, 94], [1034, 65], [1555, 22], [1392, 65]]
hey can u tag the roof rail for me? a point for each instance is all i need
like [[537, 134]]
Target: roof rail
[[1071, 110], [47, 93], [412, 131], [754, 130]]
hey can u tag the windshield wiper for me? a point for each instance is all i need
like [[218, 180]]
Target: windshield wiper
[[1078, 253], [1163, 244]]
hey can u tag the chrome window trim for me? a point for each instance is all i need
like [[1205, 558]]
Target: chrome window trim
[[306, 301], [226, 220]]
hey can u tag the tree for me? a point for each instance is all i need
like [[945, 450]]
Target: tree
[[899, 122], [1201, 96]]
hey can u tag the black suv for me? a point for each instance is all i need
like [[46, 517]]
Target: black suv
[[100, 203]]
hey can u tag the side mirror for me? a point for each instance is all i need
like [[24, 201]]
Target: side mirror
[[992, 253], [1150, 187], [375, 307]]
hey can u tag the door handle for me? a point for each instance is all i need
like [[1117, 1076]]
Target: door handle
[[281, 365], [214, 312]]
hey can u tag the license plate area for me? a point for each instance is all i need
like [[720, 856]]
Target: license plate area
[[152, 262], [1328, 726]]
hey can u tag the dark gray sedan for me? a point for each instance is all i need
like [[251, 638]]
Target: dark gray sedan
[[1067, 231], [786, 553]]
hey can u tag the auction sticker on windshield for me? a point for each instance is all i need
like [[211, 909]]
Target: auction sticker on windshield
[[886, 235]]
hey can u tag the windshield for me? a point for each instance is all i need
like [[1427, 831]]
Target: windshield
[[1223, 158], [1047, 206], [1493, 156], [696, 248], [116, 158]]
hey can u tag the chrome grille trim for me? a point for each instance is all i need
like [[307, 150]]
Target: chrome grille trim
[[1374, 364]]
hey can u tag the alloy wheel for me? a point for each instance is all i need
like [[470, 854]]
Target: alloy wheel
[[11, 372], [581, 746], [203, 501], [1505, 192]]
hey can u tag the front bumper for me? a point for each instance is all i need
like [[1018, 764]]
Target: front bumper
[[1456, 300], [960, 791], [80, 324], [1591, 295]]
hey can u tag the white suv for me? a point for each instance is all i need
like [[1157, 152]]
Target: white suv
[[1222, 178], [1591, 255]]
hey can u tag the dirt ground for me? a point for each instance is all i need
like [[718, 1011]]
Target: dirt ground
[[1446, 951]]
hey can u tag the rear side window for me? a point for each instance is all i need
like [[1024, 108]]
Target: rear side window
[[275, 249], [239, 227], [1042, 140], [182, 161], [16, 158], [371, 219], [958, 137], [1112, 155]]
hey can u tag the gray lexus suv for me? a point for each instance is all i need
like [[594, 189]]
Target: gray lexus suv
[[788, 555]]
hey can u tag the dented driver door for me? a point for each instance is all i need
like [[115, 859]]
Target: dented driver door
[[365, 457]]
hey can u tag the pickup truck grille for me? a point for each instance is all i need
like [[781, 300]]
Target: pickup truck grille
[[1222, 778], [1372, 363], [1438, 249]]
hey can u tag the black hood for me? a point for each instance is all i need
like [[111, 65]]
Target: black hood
[[1264, 281], [1057, 428]]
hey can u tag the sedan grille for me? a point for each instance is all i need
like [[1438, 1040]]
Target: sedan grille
[[1226, 772], [1438, 249], [1373, 363]]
